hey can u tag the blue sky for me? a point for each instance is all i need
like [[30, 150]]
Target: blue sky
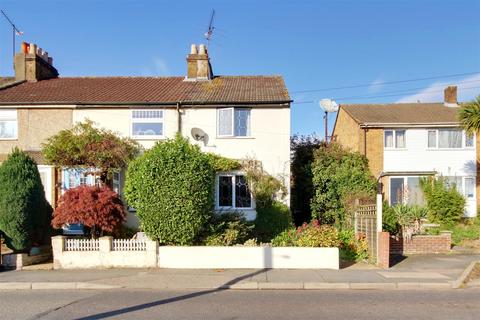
[[313, 44]]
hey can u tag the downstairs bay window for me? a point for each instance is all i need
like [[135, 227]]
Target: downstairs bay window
[[233, 192], [406, 190]]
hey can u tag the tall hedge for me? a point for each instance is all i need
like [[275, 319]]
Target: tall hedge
[[445, 204], [171, 187], [339, 176], [25, 214]]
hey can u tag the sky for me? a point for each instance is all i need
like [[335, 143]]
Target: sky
[[317, 46]]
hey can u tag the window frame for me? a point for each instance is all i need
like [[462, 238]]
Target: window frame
[[234, 181], [233, 135], [463, 144], [394, 137], [11, 118], [147, 120], [404, 187]]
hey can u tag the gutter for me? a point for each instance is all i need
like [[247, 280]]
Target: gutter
[[409, 125], [286, 103]]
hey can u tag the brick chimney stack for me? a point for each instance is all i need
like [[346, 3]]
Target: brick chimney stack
[[198, 64], [450, 96], [33, 64]]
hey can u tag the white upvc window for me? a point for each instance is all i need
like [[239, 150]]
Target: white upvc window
[[233, 122], [394, 139], [148, 124], [464, 185], [116, 181], [8, 124], [233, 192], [405, 190], [449, 138]]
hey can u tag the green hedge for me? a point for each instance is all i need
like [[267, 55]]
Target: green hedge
[[271, 221], [25, 214], [172, 186], [445, 204]]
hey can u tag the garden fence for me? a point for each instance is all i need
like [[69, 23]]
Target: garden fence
[[366, 226], [82, 245]]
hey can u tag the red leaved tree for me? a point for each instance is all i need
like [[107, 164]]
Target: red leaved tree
[[98, 208]]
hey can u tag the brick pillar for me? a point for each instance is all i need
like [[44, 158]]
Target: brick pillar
[[58, 244], [383, 255], [152, 253], [448, 237]]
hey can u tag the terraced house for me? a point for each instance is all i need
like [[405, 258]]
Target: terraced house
[[234, 116], [404, 142]]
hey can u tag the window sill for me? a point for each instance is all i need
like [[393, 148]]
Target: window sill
[[148, 138], [8, 139], [451, 149], [395, 149], [235, 137]]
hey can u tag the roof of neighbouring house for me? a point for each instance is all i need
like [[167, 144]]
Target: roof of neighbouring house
[[402, 113], [148, 90]]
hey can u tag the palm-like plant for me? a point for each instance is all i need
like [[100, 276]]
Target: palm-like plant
[[469, 116]]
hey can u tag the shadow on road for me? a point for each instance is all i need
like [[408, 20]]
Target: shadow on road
[[118, 312]]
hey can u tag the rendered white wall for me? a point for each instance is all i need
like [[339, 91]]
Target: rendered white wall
[[248, 258], [417, 157]]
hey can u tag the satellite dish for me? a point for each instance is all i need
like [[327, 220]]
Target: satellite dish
[[198, 134], [328, 105]]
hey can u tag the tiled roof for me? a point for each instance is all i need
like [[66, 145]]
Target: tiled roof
[[402, 113], [98, 90]]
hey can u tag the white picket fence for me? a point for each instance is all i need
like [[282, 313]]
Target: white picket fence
[[129, 245], [82, 245]]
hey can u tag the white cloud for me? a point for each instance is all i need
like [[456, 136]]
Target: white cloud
[[468, 88], [376, 85], [159, 67]]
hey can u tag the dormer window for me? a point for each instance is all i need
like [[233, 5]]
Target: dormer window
[[394, 139]]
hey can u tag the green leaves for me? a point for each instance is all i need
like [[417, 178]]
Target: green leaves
[[444, 204], [87, 146], [469, 116], [24, 212], [338, 176], [171, 186]]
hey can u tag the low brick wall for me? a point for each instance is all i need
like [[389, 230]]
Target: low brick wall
[[421, 244]]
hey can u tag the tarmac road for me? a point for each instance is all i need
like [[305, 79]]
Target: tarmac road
[[237, 304]]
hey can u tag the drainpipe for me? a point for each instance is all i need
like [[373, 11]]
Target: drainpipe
[[179, 119], [365, 142]]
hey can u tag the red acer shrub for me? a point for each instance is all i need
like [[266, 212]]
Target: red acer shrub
[[98, 208]]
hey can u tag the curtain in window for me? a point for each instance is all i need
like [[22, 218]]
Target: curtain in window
[[432, 139], [225, 122], [450, 138], [400, 138], [242, 122], [414, 192], [389, 139], [469, 187], [396, 191]]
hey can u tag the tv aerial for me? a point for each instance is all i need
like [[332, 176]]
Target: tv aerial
[[209, 34]]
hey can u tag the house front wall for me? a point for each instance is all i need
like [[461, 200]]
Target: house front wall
[[35, 126], [416, 157], [268, 142]]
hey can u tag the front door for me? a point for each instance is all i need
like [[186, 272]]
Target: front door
[[46, 174]]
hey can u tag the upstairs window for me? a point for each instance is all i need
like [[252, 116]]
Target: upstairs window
[[449, 138], [8, 124], [233, 122], [394, 139], [233, 192], [147, 124]]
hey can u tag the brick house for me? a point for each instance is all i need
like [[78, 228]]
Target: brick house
[[404, 142], [237, 116]]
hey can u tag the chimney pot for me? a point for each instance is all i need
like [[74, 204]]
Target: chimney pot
[[32, 48], [450, 96], [203, 49], [193, 49]]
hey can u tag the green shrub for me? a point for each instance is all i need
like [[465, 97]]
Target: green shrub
[[271, 221], [390, 221], [337, 174], [351, 248], [263, 186], [226, 229], [308, 235], [171, 186], [24, 212], [444, 204]]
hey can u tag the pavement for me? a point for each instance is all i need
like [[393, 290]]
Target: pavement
[[414, 272]]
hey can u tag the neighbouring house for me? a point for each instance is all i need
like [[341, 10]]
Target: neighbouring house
[[234, 116], [406, 141]]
